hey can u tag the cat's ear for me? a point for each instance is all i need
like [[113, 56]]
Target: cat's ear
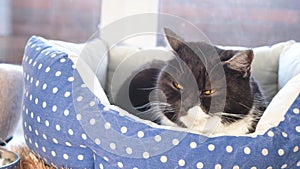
[[174, 40], [241, 62]]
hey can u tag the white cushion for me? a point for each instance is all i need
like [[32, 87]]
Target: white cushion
[[289, 64], [116, 55], [126, 60], [86, 59], [265, 67], [93, 52], [282, 101]]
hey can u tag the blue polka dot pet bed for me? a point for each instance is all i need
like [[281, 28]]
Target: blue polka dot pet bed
[[69, 124]]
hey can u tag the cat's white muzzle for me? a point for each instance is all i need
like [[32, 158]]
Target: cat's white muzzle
[[197, 120]]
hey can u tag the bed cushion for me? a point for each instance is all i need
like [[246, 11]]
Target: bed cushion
[[116, 55], [48, 113], [125, 60], [265, 67], [275, 112], [289, 63], [66, 124], [94, 52]]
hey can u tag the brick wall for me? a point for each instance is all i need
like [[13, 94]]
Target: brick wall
[[68, 20], [228, 22], [239, 22]]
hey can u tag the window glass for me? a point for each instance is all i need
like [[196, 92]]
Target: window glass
[[68, 20], [238, 22]]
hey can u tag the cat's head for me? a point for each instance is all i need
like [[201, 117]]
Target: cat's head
[[205, 81]]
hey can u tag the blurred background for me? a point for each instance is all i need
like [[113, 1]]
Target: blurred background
[[229, 22]]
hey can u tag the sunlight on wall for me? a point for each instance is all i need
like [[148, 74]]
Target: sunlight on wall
[[5, 18], [113, 10]]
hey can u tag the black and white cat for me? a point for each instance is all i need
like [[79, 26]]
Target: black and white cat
[[204, 88]]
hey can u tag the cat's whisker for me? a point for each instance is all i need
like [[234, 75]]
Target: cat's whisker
[[157, 109], [159, 103], [154, 105], [230, 115], [154, 113], [244, 105], [257, 116], [143, 106], [147, 88]]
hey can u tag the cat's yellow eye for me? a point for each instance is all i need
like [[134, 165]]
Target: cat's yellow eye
[[178, 86], [209, 92]]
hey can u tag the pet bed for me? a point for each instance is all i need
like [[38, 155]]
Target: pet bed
[[70, 123]]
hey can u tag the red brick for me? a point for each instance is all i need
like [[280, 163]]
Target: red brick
[[78, 5], [31, 16], [32, 4], [274, 15], [73, 18], [248, 23], [12, 49]]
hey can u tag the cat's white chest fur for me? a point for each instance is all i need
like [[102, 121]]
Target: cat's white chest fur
[[198, 121]]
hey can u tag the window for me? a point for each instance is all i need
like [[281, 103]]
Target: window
[[238, 22], [230, 22], [68, 20]]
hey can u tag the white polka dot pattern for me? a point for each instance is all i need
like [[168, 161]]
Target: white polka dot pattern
[[66, 125], [47, 107]]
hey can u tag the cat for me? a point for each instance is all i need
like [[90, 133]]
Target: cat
[[205, 89]]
